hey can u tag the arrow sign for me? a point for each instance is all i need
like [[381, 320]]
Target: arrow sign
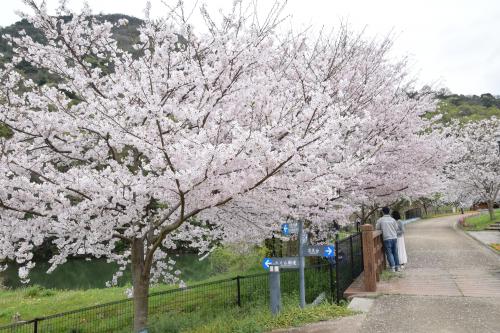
[[266, 263], [283, 262], [285, 229], [329, 251], [288, 229], [319, 251]]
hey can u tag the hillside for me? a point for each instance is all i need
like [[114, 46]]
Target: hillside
[[125, 35], [467, 108]]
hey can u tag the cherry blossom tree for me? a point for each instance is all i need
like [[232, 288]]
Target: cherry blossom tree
[[195, 133], [474, 170], [137, 148], [379, 150]]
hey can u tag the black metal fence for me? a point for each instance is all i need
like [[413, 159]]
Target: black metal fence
[[330, 278]]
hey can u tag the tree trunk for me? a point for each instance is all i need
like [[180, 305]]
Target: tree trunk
[[425, 210], [140, 280], [491, 210]]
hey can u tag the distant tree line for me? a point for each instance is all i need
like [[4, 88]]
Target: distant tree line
[[466, 108]]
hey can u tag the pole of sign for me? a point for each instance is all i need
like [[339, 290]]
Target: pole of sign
[[275, 289], [337, 273], [302, 286]]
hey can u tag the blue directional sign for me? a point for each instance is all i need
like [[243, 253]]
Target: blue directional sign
[[319, 251], [283, 262], [266, 263], [329, 251], [288, 229], [285, 229]]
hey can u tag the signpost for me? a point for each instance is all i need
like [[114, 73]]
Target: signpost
[[305, 250], [275, 289], [302, 285], [288, 229], [320, 251], [283, 262]]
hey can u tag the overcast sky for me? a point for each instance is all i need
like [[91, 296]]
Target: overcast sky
[[451, 43]]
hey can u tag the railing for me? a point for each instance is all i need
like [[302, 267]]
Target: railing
[[348, 262], [374, 257], [329, 277]]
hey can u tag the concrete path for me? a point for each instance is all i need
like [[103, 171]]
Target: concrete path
[[451, 284], [443, 261]]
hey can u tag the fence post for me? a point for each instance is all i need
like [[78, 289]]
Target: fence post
[[370, 274], [35, 325], [238, 285], [337, 274], [332, 291], [352, 258]]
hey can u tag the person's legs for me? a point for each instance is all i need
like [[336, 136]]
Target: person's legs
[[389, 252], [395, 252]]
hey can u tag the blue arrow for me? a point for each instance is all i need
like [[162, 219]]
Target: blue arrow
[[329, 251], [284, 228], [266, 262]]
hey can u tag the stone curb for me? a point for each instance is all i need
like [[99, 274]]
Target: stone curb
[[456, 227]]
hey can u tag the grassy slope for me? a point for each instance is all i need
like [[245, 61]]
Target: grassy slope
[[32, 302], [191, 313], [480, 222], [255, 318], [35, 302]]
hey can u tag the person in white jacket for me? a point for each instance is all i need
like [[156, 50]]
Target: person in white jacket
[[403, 258]]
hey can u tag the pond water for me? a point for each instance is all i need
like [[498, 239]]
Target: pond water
[[82, 274]]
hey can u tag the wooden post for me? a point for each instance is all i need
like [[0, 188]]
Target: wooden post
[[370, 273]]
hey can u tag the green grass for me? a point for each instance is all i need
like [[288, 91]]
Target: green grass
[[36, 301], [481, 222], [387, 275], [431, 216], [210, 306], [255, 318], [345, 234], [28, 303]]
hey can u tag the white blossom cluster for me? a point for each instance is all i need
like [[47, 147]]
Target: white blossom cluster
[[195, 136], [473, 172]]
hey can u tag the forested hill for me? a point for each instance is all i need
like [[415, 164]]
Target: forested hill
[[125, 35], [467, 108]]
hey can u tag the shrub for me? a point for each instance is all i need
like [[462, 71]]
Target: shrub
[[37, 291]]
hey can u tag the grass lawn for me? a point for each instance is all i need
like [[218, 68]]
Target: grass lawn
[[431, 216], [481, 222], [203, 309], [256, 318], [202, 317], [35, 301]]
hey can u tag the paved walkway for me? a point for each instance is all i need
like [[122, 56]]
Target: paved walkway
[[444, 261], [451, 284]]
